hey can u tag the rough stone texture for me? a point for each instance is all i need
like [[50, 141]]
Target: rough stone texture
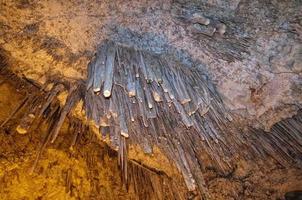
[[256, 65]]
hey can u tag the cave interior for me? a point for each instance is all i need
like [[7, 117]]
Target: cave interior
[[151, 99]]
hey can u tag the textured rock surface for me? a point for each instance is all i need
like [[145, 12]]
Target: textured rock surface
[[256, 65]]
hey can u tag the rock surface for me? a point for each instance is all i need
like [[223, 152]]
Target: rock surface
[[255, 65]]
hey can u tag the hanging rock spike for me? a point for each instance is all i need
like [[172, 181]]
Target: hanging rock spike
[[109, 69]]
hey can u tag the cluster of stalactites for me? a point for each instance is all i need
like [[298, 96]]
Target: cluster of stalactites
[[158, 101], [155, 101], [131, 93], [132, 85]]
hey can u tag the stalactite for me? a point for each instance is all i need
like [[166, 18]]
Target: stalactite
[[72, 99], [98, 68], [123, 159], [141, 102], [91, 73], [110, 57], [28, 119], [15, 111], [50, 96]]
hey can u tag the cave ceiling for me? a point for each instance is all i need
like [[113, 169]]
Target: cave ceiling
[[255, 65]]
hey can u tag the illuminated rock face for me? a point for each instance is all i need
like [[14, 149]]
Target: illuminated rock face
[[247, 56]]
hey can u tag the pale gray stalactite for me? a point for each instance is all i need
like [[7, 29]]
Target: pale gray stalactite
[[155, 66], [130, 107], [108, 83], [113, 107], [142, 65], [141, 102], [135, 62], [196, 100], [122, 119], [99, 68], [167, 87], [171, 78], [131, 75], [147, 93], [150, 71], [179, 87], [148, 100], [151, 75], [120, 72], [183, 86], [190, 182], [91, 70], [149, 97], [126, 64]]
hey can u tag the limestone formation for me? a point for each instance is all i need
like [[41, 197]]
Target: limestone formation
[[191, 99]]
